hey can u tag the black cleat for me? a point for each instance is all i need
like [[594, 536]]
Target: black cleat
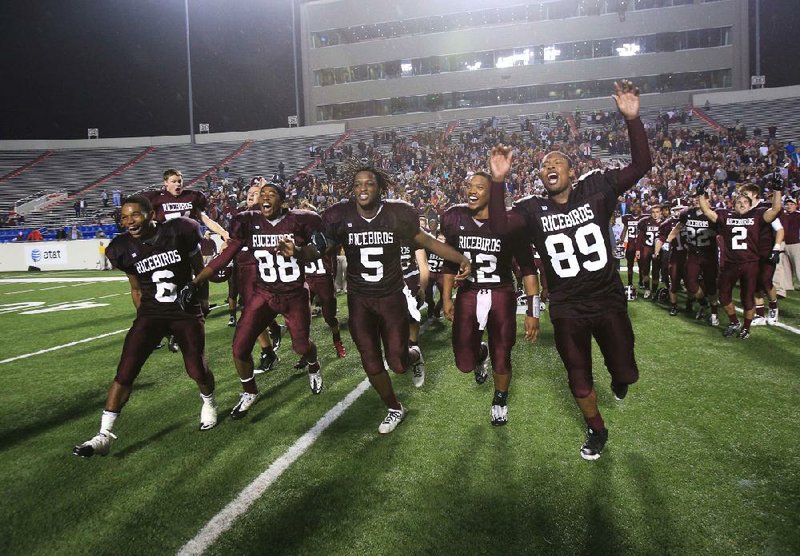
[[275, 337], [595, 442], [731, 330], [673, 311], [172, 344], [267, 362], [620, 391]]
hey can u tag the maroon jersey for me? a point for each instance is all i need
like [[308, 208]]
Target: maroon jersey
[[276, 273], [699, 232], [631, 223], [168, 206], [435, 262], [740, 234], [664, 230], [574, 241], [647, 232], [372, 246], [324, 266], [161, 264], [766, 234], [408, 259], [491, 255]]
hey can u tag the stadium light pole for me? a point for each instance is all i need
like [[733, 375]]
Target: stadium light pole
[[294, 55], [189, 66], [758, 37]]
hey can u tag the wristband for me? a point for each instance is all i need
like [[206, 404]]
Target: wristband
[[534, 306]]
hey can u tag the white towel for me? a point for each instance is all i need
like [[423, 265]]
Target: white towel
[[484, 305], [411, 301]]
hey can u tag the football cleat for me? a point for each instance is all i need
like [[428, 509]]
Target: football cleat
[[713, 320], [393, 418], [499, 415], [673, 311], [772, 316], [759, 321], [620, 391], [701, 313], [266, 363], [99, 445], [172, 344], [418, 369], [481, 369], [646, 294], [232, 321], [208, 416], [743, 334], [275, 337], [340, 351], [302, 363], [595, 442], [315, 382], [246, 400], [731, 330], [630, 293]]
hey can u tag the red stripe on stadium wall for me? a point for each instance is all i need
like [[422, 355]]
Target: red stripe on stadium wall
[[30, 164], [706, 118], [224, 162], [119, 170], [344, 137]]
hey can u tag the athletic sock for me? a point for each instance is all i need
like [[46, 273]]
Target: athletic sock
[[107, 421]]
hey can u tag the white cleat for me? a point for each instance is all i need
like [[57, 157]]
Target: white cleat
[[246, 400], [418, 369], [315, 382], [759, 321], [208, 416], [772, 316], [393, 418], [99, 445], [713, 320], [499, 415]]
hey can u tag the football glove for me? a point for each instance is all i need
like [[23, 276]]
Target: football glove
[[774, 257], [188, 296], [777, 182], [700, 188]]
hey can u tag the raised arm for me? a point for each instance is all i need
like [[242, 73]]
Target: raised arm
[[500, 158], [214, 226], [705, 206], [773, 211], [626, 97]]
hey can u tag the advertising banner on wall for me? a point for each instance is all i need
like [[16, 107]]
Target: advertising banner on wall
[[46, 254]]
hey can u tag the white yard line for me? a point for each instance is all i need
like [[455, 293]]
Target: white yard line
[[75, 343], [225, 518], [64, 280]]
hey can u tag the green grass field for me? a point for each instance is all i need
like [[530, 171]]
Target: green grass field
[[702, 456]]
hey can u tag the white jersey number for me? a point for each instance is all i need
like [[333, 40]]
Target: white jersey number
[[738, 238], [565, 260], [373, 266], [274, 267], [166, 291], [485, 273]]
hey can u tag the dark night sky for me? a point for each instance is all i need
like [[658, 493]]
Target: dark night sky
[[120, 65]]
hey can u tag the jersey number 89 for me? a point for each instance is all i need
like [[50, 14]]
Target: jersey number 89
[[592, 255]]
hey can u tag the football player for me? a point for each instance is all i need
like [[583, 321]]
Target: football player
[[702, 260], [435, 264], [673, 253], [740, 231], [570, 228], [487, 298], [631, 223], [159, 260], [414, 264], [371, 230], [279, 288], [645, 250], [770, 240]]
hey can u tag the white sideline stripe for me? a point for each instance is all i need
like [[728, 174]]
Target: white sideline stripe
[[41, 351], [84, 281], [20, 291], [779, 324], [225, 518]]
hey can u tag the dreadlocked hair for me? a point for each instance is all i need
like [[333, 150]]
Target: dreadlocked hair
[[351, 167]]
